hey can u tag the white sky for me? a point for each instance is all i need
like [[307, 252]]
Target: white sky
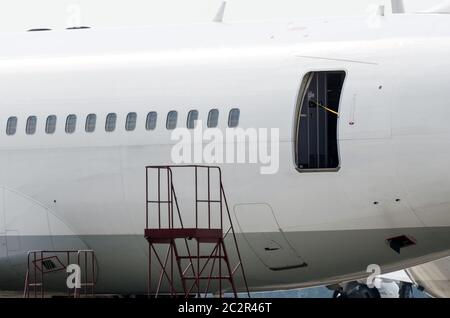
[[18, 15]]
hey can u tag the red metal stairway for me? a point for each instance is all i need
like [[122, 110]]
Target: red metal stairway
[[190, 254], [40, 264]]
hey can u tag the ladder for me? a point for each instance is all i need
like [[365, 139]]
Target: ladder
[[192, 257], [41, 263]]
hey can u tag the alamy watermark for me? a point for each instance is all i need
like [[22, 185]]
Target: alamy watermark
[[236, 145], [73, 280], [372, 280], [74, 15]]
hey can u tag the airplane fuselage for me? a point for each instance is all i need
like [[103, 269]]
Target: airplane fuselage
[[86, 190]]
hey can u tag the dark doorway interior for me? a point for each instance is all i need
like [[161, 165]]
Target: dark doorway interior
[[316, 146]]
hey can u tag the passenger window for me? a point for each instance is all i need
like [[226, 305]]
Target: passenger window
[[71, 123], [110, 122], [172, 118], [233, 118], [91, 120], [50, 125], [30, 128], [213, 118], [316, 146], [130, 123], [150, 123], [192, 119], [11, 126]]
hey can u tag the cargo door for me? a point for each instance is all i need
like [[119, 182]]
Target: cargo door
[[264, 236]]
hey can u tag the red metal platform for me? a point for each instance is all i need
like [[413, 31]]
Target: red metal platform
[[40, 264], [166, 235], [190, 256]]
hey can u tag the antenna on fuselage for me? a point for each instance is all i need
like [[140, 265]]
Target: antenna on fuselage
[[398, 6], [220, 13]]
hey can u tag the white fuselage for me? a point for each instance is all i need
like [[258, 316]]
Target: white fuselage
[[64, 191]]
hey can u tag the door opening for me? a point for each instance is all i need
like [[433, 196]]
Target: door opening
[[316, 145]]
